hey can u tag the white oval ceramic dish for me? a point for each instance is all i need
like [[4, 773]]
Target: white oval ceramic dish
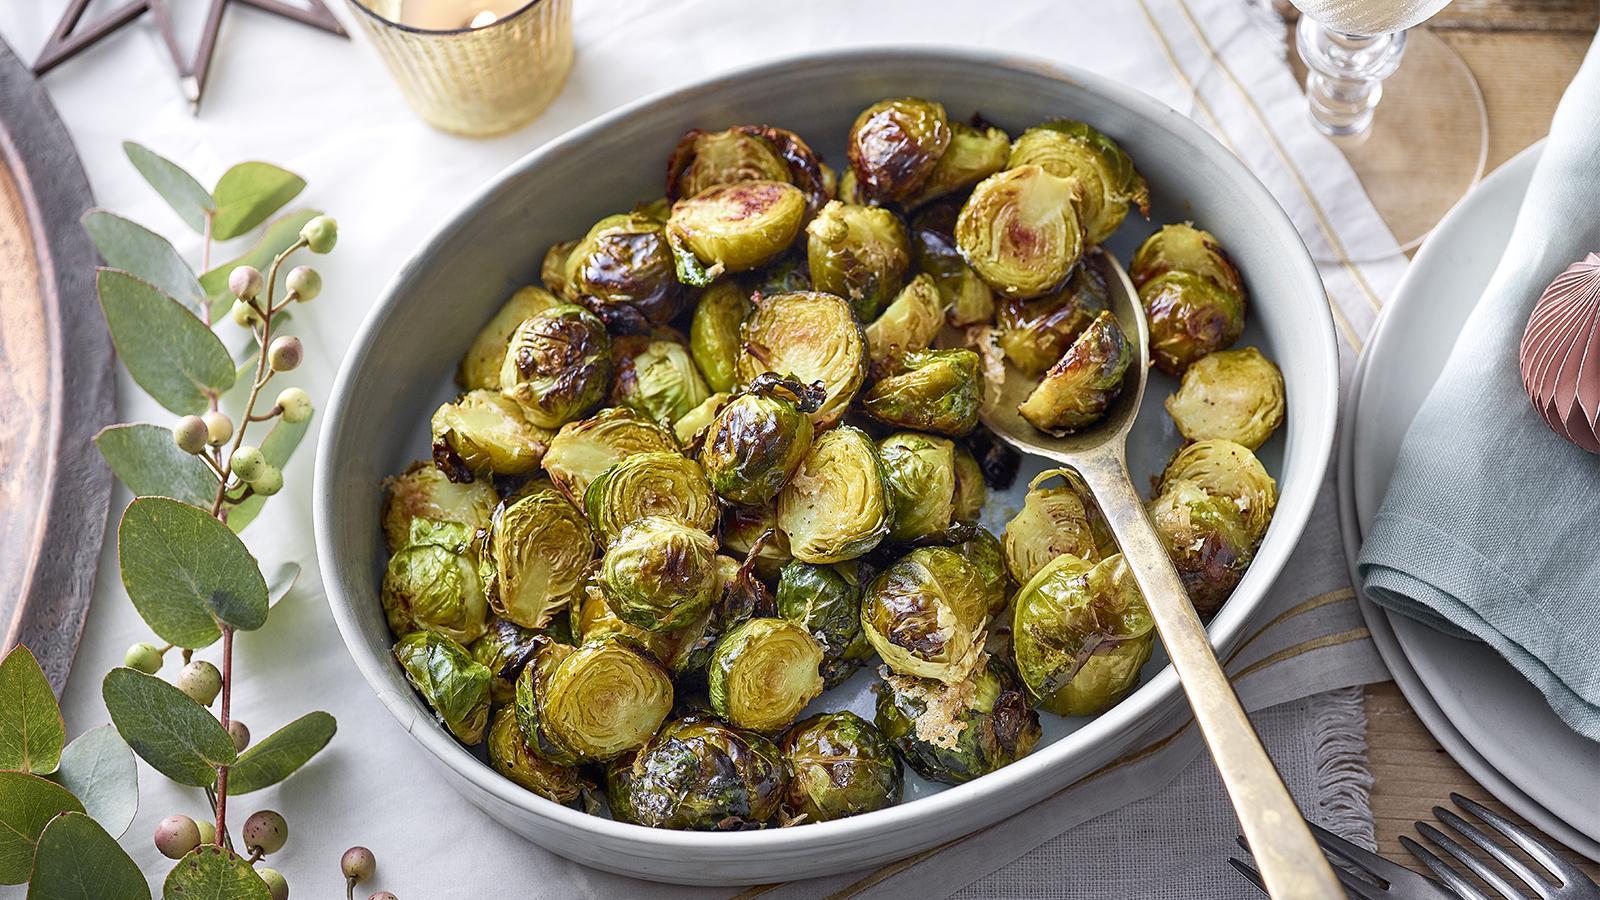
[[400, 364], [1490, 719]]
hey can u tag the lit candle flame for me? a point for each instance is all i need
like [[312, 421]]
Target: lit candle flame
[[484, 17]]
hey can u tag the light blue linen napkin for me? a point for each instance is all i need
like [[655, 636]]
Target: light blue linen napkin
[[1491, 525]]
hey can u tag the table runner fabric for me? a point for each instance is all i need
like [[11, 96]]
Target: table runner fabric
[[325, 110], [1512, 562]]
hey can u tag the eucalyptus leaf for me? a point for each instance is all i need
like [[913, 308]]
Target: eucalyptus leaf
[[98, 768], [279, 236], [178, 737], [168, 351], [145, 459], [249, 192], [277, 447], [210, 872], [187, 198], [281, 582], [180, 566], [27, 804], [129, 246], [31, 731], [280, 753], [77, 860]]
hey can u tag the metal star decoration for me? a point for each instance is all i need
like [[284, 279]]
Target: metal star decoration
[[63, 43]]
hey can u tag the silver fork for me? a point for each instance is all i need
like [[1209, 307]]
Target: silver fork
[[1394, 881], [1570, 883]]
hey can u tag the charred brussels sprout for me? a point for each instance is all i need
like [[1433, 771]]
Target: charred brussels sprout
[[1019, 231], [1076, 392], [757, 440], [701, 775], [920, 470], [650, 484], [435, 583], [763, 672], [660, 574], [595, 620], [624, 261], [1235, 395], [926, 613], [895, 145], [744, 526], [860, 253], [1191, 293], [480, 367], [1054, 519], [557, 365], [1080, 633], [733, 228], [909, 324], [553, 270], [600, 700], [974, 154], [836, 506], [504, 649], [657, 377], [838, 766], [1227, 470], [714, 333], [424, 491], [971, 490], [485, 433], [453, 683], [810, 337], [1035, 333], [690, 429], [1185, 248], [933, 390], [747, 153], [510, 755], [581, 451], [956, 732], [967, 298], [1206, 538], [826, 603], [984, 554], [540, 548], [1105, 176], [740, 597]]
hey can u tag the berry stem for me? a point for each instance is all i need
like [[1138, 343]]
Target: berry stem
[[227, 697]]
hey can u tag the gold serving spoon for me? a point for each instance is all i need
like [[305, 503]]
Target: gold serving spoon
[[1290, 862]]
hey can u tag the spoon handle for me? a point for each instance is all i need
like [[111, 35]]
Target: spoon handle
[[1288, 857]]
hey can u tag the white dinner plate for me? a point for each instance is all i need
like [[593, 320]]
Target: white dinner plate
[[1487, 716]]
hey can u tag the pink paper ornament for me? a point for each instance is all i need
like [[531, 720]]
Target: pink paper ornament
[[1560, 354]]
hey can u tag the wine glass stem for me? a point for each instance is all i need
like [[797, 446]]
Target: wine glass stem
[[1345, 73]]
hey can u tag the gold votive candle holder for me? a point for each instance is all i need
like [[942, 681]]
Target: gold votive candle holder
[[466, 68]]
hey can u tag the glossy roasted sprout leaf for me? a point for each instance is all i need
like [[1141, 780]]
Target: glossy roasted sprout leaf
[[210, 872], [1229, 471], [27, 804], [967, 298], [169, 352], [925, 615], [540, 548], [1035, 333], [148, 463], [247, 194], [920, 470], [1054, 519], [32, 732], [895, 145], [910, 323], [956, 732], [1078, 389], [557, 365], [1020, 231], [1107, 182], [838, 765], [975, 152], [823, 601], [279, 236], [763, 672], [758, 439], [453, 683], [734, 227], [185, 572], [76, 859], [811, 337], [511, 755], [484, 433], [178, 737], [650, 484], [604, 699], [1234, 395], [279, 754], [860, 253], [422, 491], [98, 768], [930, 390], [657, 377], [480, 365], [659, 574], [140, 252], [836, 505], [188, 199], [1206, 538], [715, 332], [622, 266], [1074, 611], [699, 774]]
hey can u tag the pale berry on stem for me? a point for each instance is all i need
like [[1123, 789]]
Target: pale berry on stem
[[245, 282], [176, 836], [144, 656], [190, 434], [201, 681], [265, 832], [240, 735], [320, 234], [285, 353], [219, 428], [304, 282]]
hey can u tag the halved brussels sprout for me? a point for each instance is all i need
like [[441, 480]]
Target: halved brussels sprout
[[971, 491], [480, 367], [541, 549], [1035, 333], [909, 324], [510, 755], [956, 732], [656, 376], [747, 153], [553, 270], [860, 253], [895, 145], [1053, 520], [422, 491], [650, 484], [601, 699], [810, 337], [763, 672], [1228, 470], [974, 154], [557, 365], [1020, 231], [1074, 611], [759, 438], [624, 261], [1076, 392], [659, 574], [733, 228], [527, 692], [933, 390], [1105, 175], [453, 683], [1206, 538], [984, 554], [715, 332], [581, 451], [1185, 248], [827, 604], [699, 774], [838, 766], [925, 615], [504, 649], [967, 298], [690, 428], [744, 526], [836, 505], [740, 597], [435, 583], [1236, 395], [1189, 317], [485, 433], [594, 620], [920, 470]]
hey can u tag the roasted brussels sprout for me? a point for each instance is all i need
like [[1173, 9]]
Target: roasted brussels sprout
[[650, 484], [860, 253], [557, 365], [485, 433], [435, 583], [763, 672], [932, 390], [838, 765], [656, 376], [895, 145], [1191, 293], [1235, 395], [553, 270], [659, 574], [967, 298], [510, 755], [453, 683], [836, 505], [971, 491], [581, 451], [956, 732], [788, 273], [594, 620], [984, 554], [699, 774], [759, 438], [541, 549], [747, 153], [597, 701], [424, 491], [1035, 333], [826, 603], [1184, 248], [1020, 232], [1054, 519], [744, 526], [624, 261], [740, 597], [480, 367], [810, 337], [974, 154], [925, 615], [1206, 538], [1228, 470], [1076, 392], [1072, 612], [504, 649], [733, 228], [920, 471], [1105, 176], [714, 332], [690, 429], [909, 324]]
